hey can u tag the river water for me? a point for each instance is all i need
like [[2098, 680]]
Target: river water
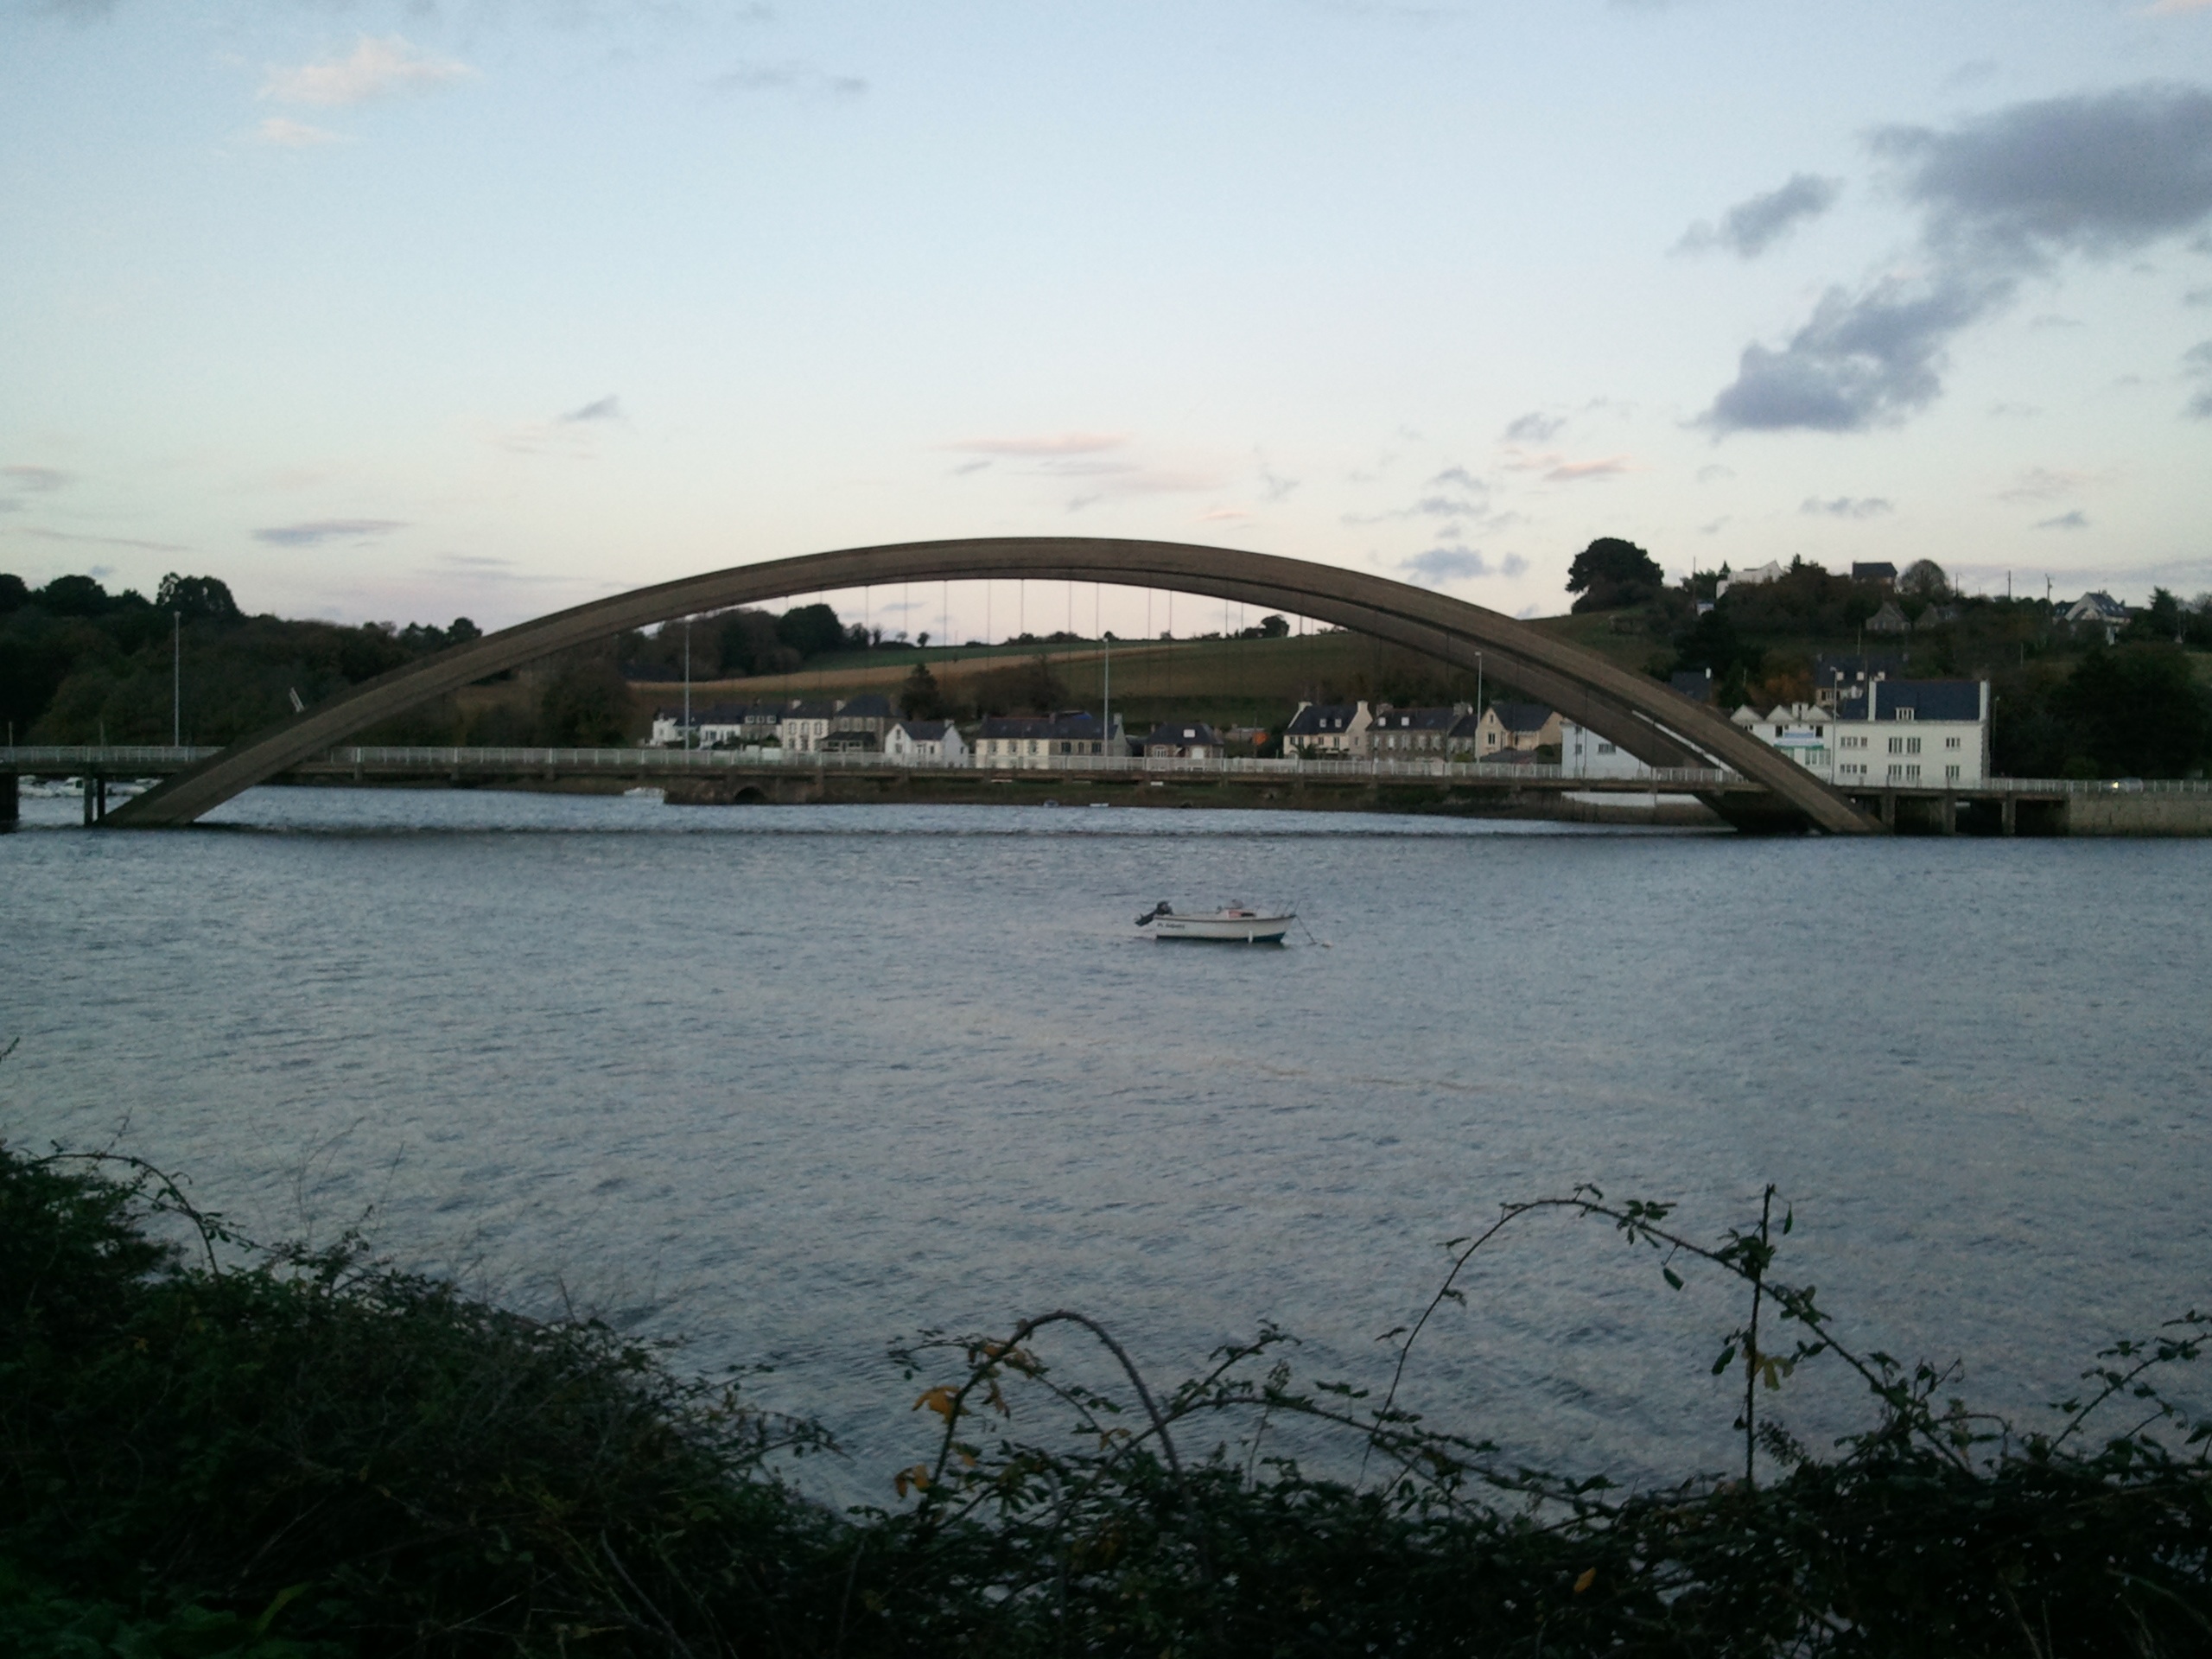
[[792, 1083]]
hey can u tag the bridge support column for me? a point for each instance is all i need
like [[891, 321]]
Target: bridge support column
[[11, 799], [89, 819], [1950, 815], [1889, 808], [2009, 817]]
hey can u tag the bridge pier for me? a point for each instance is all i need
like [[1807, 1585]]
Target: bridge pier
[[1890, 809], [95, 800], [1949, 814], [2008, 815], [10, 800]]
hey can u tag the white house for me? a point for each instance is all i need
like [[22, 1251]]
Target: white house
[[1514, 726], [804, 726], [1011, 740], [1327, 731], [1412, 734], [1583, 754], [1886, 733], [912, 740]]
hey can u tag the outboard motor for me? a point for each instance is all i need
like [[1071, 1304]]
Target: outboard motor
[[1163, 908]]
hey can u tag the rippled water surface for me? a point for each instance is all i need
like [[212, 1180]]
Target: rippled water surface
[[794, 1083]]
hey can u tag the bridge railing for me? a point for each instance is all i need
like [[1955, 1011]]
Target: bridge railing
[[639, 762], [69, 757]]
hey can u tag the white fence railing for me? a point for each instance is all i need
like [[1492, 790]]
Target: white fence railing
[[68, 759]]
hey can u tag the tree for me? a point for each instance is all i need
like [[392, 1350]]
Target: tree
[[1273, 627], [919, 698], [2162, 622], [1611, 575], [810, 630], [73, 596], [1924, 579], [14, 594], [2140, 710], [588, 706], [205, 599]]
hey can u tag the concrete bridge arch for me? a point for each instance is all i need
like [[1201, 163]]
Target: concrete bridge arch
[[1643, 717]]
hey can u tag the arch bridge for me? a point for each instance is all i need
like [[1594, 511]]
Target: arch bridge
[[1650, 721]]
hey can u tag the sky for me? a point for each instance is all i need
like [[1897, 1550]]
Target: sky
[[402, 309]]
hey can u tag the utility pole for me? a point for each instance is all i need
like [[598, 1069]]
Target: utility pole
[[176, 679], [687, 683]]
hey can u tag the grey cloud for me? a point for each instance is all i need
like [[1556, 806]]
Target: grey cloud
[[2000, 197], [1864, 360], [2103, 172], [99, 541], [1460, 478], [1274, 487], [1442, 564], [2196, 361], [2074, 520], [1535, 427], [315, 531], [608, 408], [32, 478], [1750, 227], [1969, 73], [2197, 296], [1846, 506], [793, 77]]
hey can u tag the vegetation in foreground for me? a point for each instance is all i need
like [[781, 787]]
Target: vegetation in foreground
[[301, 1454]]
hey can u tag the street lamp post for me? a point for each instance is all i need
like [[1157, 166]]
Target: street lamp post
[[176, 679], [687, 683]]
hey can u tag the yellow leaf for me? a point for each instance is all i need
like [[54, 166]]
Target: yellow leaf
[[1589, 1577], [938, 1400]]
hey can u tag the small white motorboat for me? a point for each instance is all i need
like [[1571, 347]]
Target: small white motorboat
[[1232, 925]]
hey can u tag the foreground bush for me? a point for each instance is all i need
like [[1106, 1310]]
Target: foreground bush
[[309, 1456]]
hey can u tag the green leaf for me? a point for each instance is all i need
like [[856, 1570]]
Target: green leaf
[[1671, 1277]]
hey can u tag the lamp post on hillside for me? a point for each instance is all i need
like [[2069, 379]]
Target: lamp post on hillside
[[176, 679]]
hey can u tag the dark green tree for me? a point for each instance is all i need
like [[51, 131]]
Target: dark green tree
[[2162, 622], [587, 705], [197, 598], [1924, 579], [1273, 627], [14, 594], [1611, 575], [919, 698], [72, 596], [810, 630], [2139, 710]]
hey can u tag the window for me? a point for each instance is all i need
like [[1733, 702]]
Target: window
[[1901, 714], [1950, 774], [1605, 749], [1897, 747], [1950, 742], [1912, 746]]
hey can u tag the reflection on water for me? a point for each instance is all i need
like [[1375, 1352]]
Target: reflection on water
[[795, 1082]]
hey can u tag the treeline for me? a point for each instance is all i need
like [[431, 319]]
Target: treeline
[[80, 664], [2065, 702]]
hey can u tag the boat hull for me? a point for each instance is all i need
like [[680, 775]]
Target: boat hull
[[1221, 930]]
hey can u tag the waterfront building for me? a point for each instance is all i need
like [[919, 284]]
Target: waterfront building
[[1757, 576], [869, 713], [1885, 732], [1514, 726], [924, 739], [1327, 731], [2097, 610], [1006, 739], [802, 726], [1880, 572], [1182, 739], [1414, 733], [1583, 754], [1889, 620]]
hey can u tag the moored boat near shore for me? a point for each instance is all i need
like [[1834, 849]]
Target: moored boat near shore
[[1233, 924]]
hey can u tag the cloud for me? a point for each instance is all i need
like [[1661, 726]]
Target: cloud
[[287, 133], [1750, 227], [37, 534], [315, 531], [1274, 487], [1846, 506], [2000, 197], [2074, 520], [29, 479], [1439, 565], [1558, 469], [2198, 295], [798, 78], [1713, 473], [1460, 479], [1219, 515], [377, 69], [608, 408], [1064, 443], [2196, 362], [1535, 427], [2052, 484]]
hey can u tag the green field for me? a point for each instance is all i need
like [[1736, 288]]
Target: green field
[[1225, 682]]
